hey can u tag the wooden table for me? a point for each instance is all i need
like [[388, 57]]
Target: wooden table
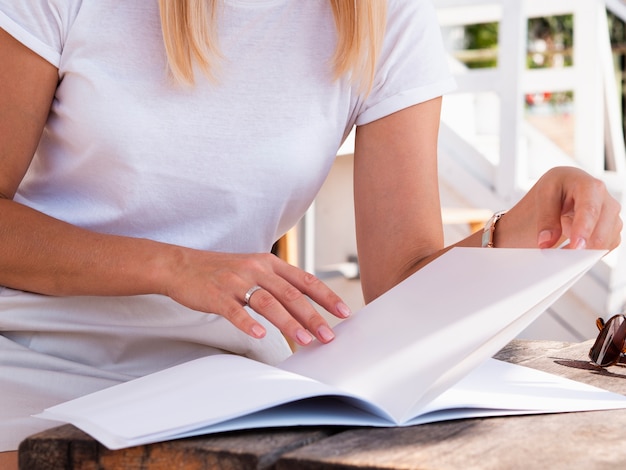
[[572, 440]]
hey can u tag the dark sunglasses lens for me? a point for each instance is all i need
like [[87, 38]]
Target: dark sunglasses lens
[[608, 347]]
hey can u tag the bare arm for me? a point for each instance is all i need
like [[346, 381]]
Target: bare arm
[[39, 253], [398, 216], [45, 255]]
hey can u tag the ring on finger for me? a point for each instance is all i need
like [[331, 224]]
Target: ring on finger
[[252, 290]]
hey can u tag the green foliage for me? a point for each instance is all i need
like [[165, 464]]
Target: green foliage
[[481, 37], [555, 31], [557, 35]]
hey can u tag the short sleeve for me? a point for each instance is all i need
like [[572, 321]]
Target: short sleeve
[[413, 65], [41, 25]]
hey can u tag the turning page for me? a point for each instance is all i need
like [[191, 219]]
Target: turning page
[[409, 345]]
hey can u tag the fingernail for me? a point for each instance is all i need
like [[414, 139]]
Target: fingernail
[[258, 331], [580, 244], [325, 333], [343, 310], [303, 337], [544, 237]]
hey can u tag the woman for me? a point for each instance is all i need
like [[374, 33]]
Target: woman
[[152, 154]]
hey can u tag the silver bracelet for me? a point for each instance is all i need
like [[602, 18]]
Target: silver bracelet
[[490, 229]]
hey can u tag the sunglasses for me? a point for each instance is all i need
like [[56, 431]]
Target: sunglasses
[[610, 344]]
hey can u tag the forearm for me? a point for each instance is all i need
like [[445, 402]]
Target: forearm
[[566, 208], [44, 255], [509, 233], [397, 215]]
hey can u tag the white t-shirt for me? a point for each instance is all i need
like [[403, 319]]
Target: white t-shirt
[[229, 166], [226, 166]]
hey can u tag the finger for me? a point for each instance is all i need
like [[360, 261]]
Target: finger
[[262, 302], [234, 312], [607, 231], [268, 304], [589, 217], [229, 292], [315, 289], [548, 208], [293, 288], [298, 304]]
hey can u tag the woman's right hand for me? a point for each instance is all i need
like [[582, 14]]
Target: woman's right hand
[[218, 282]]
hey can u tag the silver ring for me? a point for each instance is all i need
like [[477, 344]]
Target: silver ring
[[252, 290]]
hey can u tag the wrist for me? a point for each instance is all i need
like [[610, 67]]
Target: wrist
[[165, 267]]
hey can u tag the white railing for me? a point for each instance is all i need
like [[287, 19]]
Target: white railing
[[493, 159], [591, 78]]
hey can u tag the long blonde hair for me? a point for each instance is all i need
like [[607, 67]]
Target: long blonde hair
[[190, 37]]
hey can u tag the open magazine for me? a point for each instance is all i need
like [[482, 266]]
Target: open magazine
[[419, 353]]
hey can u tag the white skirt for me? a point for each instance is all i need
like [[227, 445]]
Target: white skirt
[[53, 349]]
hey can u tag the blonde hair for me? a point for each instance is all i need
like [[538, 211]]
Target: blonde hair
[[189, 35]]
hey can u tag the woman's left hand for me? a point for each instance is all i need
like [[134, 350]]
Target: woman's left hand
[[566, 203]]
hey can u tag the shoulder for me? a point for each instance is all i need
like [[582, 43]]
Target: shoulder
[[41, 25], [410, 16], [412, 66], [413, 31]]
